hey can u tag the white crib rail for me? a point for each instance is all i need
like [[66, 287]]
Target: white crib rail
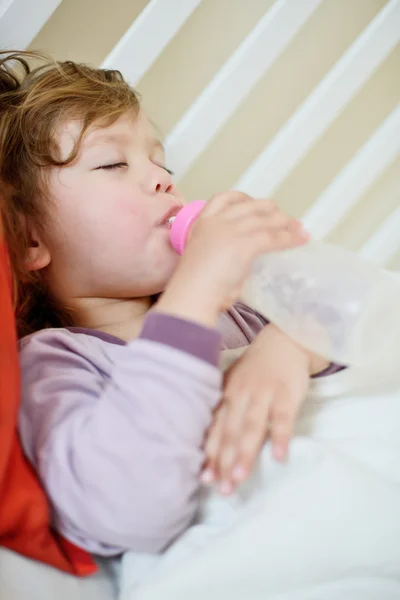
[[160, 21], [385, 242], [147, 37], [322, 106], [234, 81], [21, 21], [356, 177]]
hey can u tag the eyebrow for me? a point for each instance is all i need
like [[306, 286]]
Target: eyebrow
[[97, 137]]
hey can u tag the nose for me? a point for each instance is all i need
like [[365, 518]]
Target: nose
[[161, 181]]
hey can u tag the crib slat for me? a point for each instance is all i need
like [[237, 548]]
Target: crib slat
[[235, 79], [385, 242], [322, 106], [21, 21], [147, 37], [343, 193]]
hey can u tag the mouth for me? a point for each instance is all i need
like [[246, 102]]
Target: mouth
[[169, 217]]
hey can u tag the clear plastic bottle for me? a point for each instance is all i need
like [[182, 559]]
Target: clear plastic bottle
[[323, 296]]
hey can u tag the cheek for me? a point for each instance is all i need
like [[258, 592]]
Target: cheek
[[94, 218], [126, 218]]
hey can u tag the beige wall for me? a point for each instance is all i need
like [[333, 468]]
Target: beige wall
[[87, 31]]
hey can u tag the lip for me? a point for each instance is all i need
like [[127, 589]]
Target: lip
[[172, 212]]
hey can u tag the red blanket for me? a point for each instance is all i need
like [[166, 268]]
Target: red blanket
[[25, 518]]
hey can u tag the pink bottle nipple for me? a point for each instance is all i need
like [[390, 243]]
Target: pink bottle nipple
[[182, 223]]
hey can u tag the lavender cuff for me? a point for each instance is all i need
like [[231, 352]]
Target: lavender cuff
[[332, 368], [202, 342]]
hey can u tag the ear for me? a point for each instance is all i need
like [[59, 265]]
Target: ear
[[38, 255]]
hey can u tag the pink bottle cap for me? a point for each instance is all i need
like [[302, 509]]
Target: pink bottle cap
[[182, 223]]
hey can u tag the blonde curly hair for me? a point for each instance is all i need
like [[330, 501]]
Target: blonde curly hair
[[37, 95]]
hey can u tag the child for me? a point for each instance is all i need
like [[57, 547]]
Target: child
[[119, 384]]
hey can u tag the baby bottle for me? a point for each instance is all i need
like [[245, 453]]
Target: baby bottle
[[324, 297]]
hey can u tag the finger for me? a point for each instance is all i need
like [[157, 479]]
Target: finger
[[277, 221], [289, 237], [221, 202], [282, 419], [237, 211], [253, 436], [237, 405], [275, 240], [246, 218], [212, 445], [266, 212]]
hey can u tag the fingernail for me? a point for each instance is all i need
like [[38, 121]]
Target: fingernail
[[239, 473], [304, 232], [207, 476], [279, 452], [225, 488], [300, 228]]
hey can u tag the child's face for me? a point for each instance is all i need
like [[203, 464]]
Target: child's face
[[108, 235]]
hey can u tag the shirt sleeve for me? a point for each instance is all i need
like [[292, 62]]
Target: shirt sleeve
[[119, 452]]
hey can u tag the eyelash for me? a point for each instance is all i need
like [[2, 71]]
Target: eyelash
[[122, 164], [111, 167]]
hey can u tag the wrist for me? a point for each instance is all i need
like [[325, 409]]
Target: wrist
[[187, 304], [315, 364], [318, 364], [280, 341]]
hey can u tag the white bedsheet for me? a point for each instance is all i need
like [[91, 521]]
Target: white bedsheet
[[325, 526], [25, 579]]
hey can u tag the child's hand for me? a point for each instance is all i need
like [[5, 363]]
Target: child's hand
[[231, 231], [263, 393]]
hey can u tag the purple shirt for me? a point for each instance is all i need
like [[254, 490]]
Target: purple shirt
[[115, 429]]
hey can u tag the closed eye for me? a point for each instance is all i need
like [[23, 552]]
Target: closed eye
[[112, 166], [124, 164]]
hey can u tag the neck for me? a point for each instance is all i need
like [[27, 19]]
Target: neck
[[120, 317]]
